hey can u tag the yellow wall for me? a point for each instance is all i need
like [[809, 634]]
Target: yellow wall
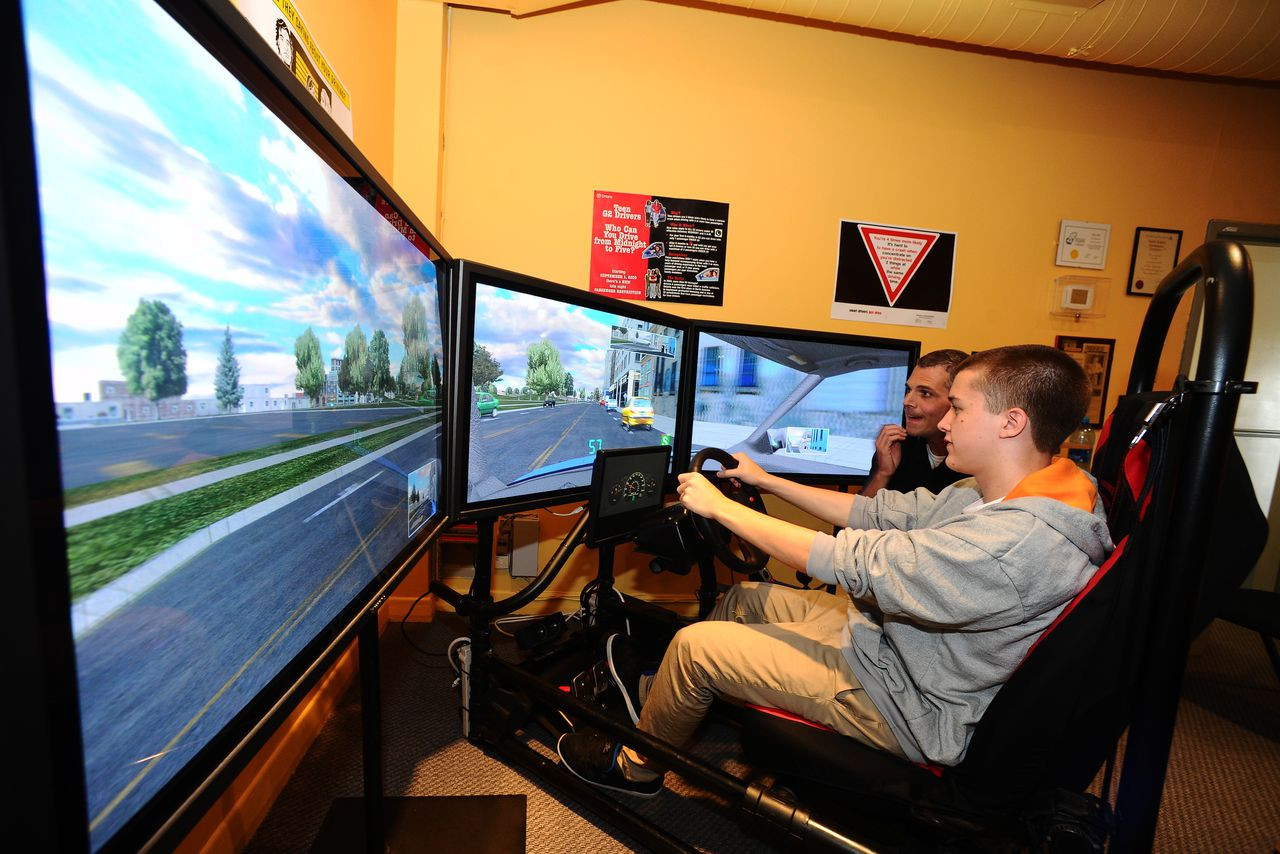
[[359, 42], [420, 66], [797, 127], [390, 55]]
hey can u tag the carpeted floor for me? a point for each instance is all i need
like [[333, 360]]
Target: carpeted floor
[[1222, 792]]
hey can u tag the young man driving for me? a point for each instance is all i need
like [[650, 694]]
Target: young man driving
[[947, 591]]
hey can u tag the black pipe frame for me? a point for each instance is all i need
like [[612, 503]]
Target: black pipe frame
[[1211, 400]]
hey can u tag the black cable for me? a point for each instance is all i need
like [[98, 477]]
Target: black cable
[[405, 635]]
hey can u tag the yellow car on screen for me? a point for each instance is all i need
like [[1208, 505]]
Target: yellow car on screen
[[638, 413]]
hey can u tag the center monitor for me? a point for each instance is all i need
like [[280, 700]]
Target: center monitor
[[804, 405], [549, 376]]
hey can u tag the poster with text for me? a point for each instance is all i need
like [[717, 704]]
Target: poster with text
[[282, 25], [648, 247], [894, 274]]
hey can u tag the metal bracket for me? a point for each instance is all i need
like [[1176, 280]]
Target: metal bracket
[[1220, 387], [1158, 409]]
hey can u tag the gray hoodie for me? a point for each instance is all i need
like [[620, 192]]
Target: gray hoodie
[[949, 595]]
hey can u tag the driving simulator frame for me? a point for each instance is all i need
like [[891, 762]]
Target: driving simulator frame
[[502, 695], [500, 699]]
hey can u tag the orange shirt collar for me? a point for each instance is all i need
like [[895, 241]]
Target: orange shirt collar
[[1061, 480]]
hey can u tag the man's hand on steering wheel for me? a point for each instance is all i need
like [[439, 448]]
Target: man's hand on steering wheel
[[699, 495], [707, 501], [747, 470]]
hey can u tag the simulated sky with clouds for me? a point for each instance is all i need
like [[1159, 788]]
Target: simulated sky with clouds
[[507, 322], [162, 178]]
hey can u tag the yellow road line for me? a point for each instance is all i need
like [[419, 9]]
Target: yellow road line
[[542, 458]]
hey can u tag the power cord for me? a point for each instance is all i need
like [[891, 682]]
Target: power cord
[[405, 635]]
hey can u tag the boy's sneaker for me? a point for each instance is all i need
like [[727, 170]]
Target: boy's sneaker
[[593, 757], [628, 672]]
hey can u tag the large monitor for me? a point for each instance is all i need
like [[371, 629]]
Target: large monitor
[[245, 376], [805, 405], [547, 377]]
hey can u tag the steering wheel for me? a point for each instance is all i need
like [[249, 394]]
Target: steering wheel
[[747, 558]]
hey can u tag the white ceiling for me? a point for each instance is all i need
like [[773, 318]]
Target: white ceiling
[[1212, 38]]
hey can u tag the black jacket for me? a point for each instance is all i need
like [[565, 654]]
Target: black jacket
[[914, 470]]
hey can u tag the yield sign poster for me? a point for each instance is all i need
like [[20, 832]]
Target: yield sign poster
[[894, 274]]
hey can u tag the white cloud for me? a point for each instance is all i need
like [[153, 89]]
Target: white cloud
[[201, 366], [506, 327], [48, 59], [277, 370], [77, 370]]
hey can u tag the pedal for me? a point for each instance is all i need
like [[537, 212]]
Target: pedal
[[603, 678], [592, 682]]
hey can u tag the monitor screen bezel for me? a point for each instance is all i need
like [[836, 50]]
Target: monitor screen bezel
[[690, 388], [169, 815], [468, 275]]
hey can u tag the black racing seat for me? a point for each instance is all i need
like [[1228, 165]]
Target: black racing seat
[[1058, 718]]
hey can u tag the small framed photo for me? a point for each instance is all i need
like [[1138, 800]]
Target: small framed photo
[[1094, 355], [1155, 254]]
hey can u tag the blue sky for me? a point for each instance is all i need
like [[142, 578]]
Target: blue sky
[[507, 322], [162, 178]]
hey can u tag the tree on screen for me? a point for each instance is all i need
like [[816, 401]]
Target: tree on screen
[[414, 365], [568, 384], [435, 371], [306, 351], [485, 370], [151, 355], [226, 380], [546, 373], [380, 380], [355, 357]]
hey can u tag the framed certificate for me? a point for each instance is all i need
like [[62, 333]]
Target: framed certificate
[[1083, 244], [1155, 254]]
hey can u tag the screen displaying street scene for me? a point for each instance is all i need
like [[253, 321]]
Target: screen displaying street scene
[[797, 406], [552, 383], [246, 359]]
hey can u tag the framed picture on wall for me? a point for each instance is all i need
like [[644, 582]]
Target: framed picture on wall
[[1094, 355], [1155, 254]]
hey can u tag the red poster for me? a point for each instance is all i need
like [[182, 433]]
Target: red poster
[[619, 239], [381, 206]]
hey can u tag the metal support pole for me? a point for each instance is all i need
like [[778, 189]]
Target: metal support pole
[[371, 723]]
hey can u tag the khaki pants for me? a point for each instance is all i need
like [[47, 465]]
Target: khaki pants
[[769, 645]]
